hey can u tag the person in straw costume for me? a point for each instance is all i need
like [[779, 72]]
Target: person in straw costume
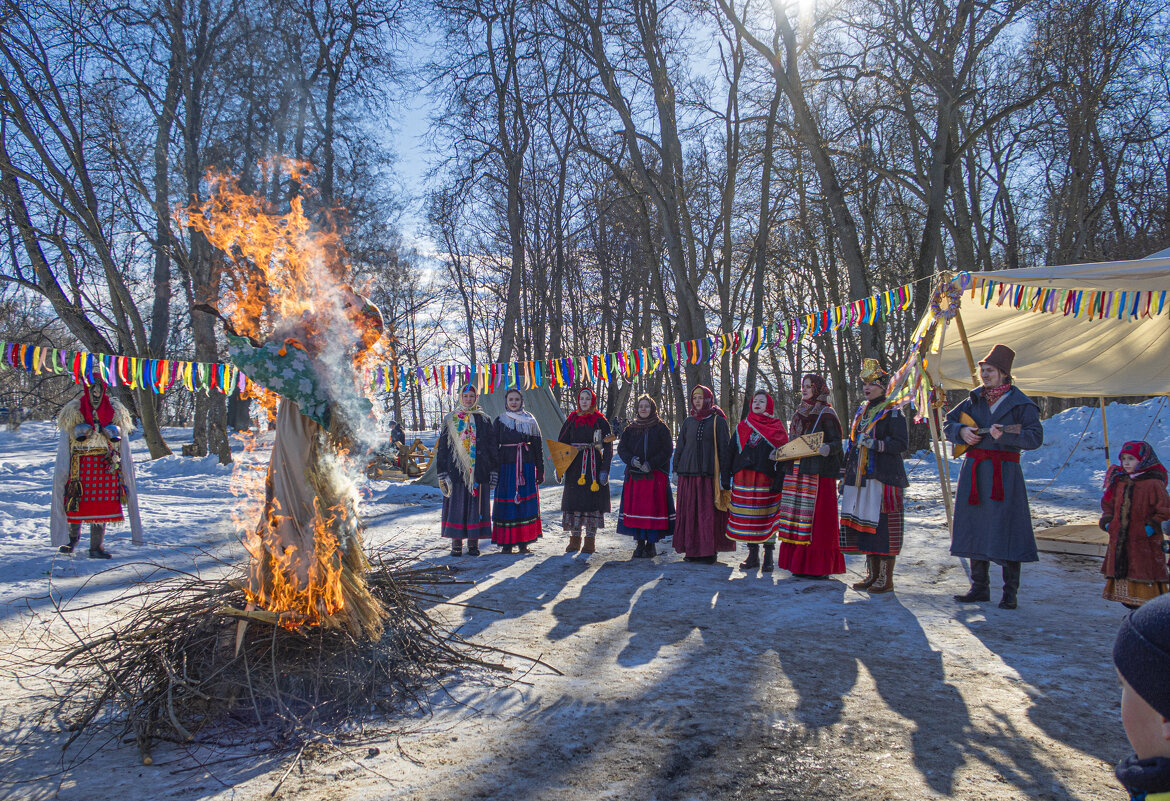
[[93, 478], [807, 524], [704, 446], [585, 499], [520, 456], [875, 478], [647, 510], [992, 520], [756, 481], [465, 458]]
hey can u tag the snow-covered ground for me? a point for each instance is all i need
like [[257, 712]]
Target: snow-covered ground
[[679, 680]]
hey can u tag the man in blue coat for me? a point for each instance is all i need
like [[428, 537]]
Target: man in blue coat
[[992, 520]]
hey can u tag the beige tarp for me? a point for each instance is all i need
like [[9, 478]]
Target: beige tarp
[[1066, 356]]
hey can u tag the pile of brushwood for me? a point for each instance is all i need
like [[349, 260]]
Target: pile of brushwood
[[178, 666]]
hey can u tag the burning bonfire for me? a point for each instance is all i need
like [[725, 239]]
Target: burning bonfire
[[296, 327], [310, 632]]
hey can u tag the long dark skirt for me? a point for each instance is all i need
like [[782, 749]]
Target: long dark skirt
[[701, 529], [467, 516], [647, 508], [516, 515], [822, 555]]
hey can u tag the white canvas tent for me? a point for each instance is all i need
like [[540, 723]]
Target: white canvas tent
[[1065, 356], [539, 401]]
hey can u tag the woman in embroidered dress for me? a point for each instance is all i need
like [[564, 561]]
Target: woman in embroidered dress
[[755, 481], [466, 454], [807, 524], [704, 447], [1135, 505], [647, 508], [586, 497], [871, 506], [520, 456]]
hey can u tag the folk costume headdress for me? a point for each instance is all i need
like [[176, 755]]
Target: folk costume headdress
[[640, 423], [103, 415], [872, 372], [708, 408], [461, 431], [809, 411], [1147, 463], [522, 421], [767, 425]]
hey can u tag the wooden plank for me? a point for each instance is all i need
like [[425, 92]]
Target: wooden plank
[[1082, 539]]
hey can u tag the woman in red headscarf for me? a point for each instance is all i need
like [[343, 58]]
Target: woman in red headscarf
[[701, 453], [755, 480], [585, 499], [807, 524]]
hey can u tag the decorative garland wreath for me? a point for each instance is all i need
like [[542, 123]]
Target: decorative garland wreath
[[944, 303]]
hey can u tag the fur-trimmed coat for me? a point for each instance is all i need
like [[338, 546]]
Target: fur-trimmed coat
[[1128, 506], [69, 418]]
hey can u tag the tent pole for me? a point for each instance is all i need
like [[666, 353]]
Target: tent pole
[[967, 349], [944, 476], [1105, 431]]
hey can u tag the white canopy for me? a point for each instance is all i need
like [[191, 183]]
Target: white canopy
[[1067, 356]]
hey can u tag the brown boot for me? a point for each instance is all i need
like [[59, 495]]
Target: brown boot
[[885, 575], [590, 544], [574, 543], [871, 573]]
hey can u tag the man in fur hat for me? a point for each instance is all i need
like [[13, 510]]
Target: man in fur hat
[[992, 520], [94, 475]]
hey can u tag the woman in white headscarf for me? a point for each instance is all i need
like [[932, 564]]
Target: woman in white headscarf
[[520, 455]]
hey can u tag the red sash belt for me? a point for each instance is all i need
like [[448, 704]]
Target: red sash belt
[[977, 455]]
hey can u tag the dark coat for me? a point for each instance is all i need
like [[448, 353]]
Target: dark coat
[[506, 437], [652, 445], [830, 465], [755, 455], [885, 464], [581, 497], [694, 453], [486, 453], [999, 531], [1147, 503]]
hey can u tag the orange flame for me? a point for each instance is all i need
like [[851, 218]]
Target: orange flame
[[280, 270]]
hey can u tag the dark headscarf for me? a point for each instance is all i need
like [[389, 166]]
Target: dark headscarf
[[1147, 463], [641, 423], [808, 411], [709, 408]]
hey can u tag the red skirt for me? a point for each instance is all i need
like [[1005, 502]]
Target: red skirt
[[753, 507], [646, 503], [822, 556], [701, 529], [101, 492]]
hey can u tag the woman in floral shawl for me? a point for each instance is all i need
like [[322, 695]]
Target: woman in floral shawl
[[466, 462], [807, 524]]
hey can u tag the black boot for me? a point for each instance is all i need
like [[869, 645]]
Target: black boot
[[522, 548], [753, 559], [473, 547], [769, 563], [74, 536], [980, 583], [1011, 585], [457, 547], [649, 552], [506, 548], [97, 533], [639, 549]]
